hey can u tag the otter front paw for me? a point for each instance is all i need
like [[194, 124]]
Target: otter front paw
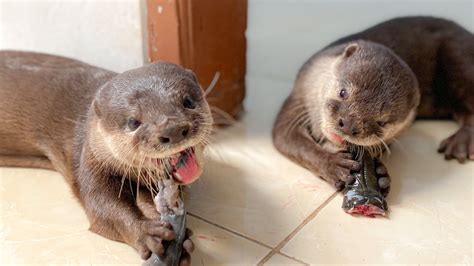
[[150, 238], [384, 179], [188, 248], [154, 232], [460, 145], [338, 169]]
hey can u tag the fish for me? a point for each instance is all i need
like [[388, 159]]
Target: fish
[[364, 196], [169, 203]]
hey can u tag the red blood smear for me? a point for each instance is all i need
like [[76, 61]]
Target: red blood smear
[[367, 210], [364, 210], [206, 238]]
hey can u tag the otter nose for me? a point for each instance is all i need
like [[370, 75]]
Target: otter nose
[[174, 134], [348, 126]]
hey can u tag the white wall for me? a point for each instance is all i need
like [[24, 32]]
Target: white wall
[[103, 33], [283, 34]]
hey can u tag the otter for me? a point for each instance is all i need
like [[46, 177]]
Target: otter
[[112, 136], [367, 88]]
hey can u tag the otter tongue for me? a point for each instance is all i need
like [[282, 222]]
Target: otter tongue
[[336, 138], [186, 168]]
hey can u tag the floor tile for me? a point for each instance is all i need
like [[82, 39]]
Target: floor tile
[[40, 219], [215, 246], [247, 186], [41, 222], [431, 212], [278, 259]]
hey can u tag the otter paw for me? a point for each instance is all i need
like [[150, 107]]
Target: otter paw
[[459, 146], [338, 169], [384, 179], [188, 248], [150, 239]]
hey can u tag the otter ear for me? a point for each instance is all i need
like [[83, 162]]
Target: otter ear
[[192, 74], [350, 49], [96, 108]]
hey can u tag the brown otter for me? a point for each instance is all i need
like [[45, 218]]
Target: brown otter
[[102, 130], [366, 89]]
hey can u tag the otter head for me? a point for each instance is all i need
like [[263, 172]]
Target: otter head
[[372, 98], [154, 118]]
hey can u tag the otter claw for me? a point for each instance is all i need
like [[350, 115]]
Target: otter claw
[[459, 146]]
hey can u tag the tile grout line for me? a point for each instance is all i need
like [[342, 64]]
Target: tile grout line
[[297, 229], [292, 258], [229, 230], [243, 236]]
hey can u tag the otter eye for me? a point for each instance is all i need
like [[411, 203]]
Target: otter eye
[[133, 124], [381, 123], [343, 94], [188, 103]]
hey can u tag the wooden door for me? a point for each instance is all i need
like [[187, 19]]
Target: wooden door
[[208, 37]]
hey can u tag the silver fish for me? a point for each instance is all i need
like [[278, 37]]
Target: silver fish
[[170, 205], [364, 195]]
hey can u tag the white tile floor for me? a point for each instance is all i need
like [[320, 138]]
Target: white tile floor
[[252, 205]]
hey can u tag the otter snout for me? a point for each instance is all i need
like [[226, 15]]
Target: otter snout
[[173, 134], [348, 126]]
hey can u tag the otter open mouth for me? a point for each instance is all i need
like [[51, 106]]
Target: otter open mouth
[[185, 167]]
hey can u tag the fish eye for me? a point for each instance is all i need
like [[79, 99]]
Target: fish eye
[[133, 123]]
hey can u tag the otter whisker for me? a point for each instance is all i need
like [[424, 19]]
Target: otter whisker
[[296, 122], [140, 170], [224, 115], [385, 144], [149, 182], [74, 121], [129, 168], [212, 84]]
